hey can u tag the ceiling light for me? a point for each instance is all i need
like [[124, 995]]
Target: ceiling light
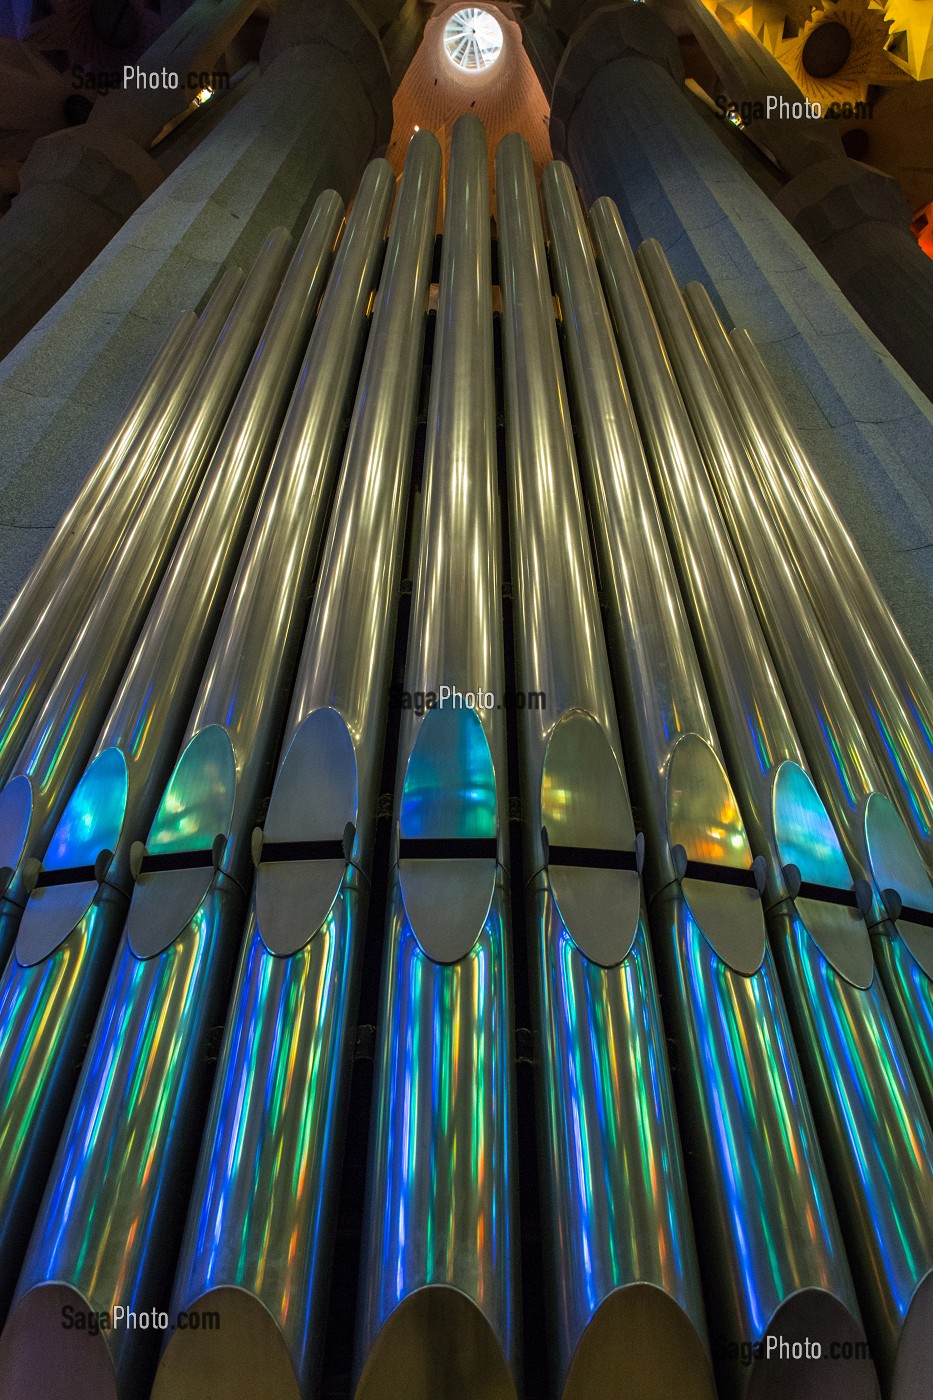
[[473, 40]]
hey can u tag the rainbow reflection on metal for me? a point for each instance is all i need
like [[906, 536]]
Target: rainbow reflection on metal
[[881, 1175], [438, 1277], [622, 1272], [262, 1220], [767, 1233]]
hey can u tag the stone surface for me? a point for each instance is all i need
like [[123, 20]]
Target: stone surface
[[838, 194], [633, 135], [610, 33], [100, 172], [307, 125], [104, 166], [341, 25]]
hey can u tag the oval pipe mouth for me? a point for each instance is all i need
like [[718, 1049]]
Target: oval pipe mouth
[[809, 1318], [443, 1344], [237, 1351], [640, 1342], [41, 1355], [78, 857], [16, 804], [185, 844]]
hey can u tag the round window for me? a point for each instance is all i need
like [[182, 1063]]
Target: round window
[[473, 40]]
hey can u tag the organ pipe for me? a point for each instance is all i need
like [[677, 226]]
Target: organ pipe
[[851, 1053], [618, 1237], [52, 984], [440, 1297], [768, 1230], [266, 1188]]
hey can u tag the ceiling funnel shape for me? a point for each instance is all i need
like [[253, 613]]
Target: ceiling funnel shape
[[448, 78]]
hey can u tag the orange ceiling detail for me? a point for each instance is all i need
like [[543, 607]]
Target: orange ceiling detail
[[506, 97]]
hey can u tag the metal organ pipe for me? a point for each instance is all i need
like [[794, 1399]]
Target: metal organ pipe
[[52, 985], [125, 1159], [57, 602], [856, 779], [766, 1223], [59, 742], [624, 1283], [874, 1132], [837, 751], [893, 697], [192, 736], [438, 1297], [260, 1229], [98, 493], [845, 770]]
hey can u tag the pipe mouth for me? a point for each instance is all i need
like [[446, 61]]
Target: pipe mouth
[[810, 1319], [237, 1350], [640, 1342], [53, 1346], [913, 1364], [442, 1344]]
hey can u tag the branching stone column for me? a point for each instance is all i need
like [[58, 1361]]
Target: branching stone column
[[321, 108], [854, 218], [621, 118], [856, 221], [79, 185], [747, 72]]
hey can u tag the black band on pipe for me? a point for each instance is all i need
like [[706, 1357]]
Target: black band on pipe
[[177, 860], [720, 874], [71, 875], [302, 850], [828, 894], [916, 916], [448, 848], [592, 858]]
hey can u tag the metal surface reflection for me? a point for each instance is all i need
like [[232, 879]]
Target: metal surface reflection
[[218, 805], [623, 1279], [56, 604], [125, 1160], [766, 1225], [844, 761], [51, 987], [438, 1268], [111, 478], [885, 684], [878, 1176], [60, 741], [260, 1230]]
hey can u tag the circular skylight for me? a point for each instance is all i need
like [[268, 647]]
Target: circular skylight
[[473, 40]]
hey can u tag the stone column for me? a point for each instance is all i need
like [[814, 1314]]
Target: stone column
[[854, 218], [620, 116], [747, 72], [856, 221], [321, 107], [79, 185]]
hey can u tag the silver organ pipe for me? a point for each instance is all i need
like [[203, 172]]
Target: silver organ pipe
[[441, 1297], [52, 984], [744, 1114], [200, 873], [618, 1234]]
